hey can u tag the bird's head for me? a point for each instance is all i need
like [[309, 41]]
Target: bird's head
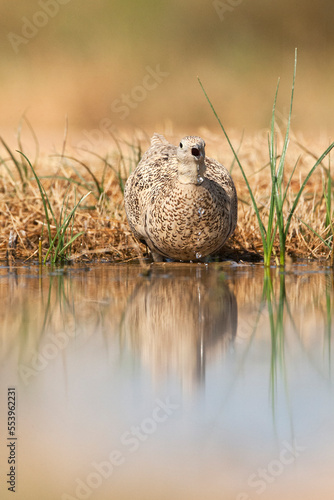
[[191, 155]]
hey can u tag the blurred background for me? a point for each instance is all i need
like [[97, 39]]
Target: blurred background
[[121, 64]]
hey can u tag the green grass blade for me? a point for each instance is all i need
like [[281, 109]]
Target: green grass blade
[[290, 179], [272, 145], [61, 234], [16, 163], [239, 147], [34, 136], [62, 230], [84, 183], [95, 180], [118, 173], [309, 152], [70, 242], [68, 179], [270, 246], [44, 197], [280, 169], [72, 226], [10, 173], [63, 207], [261, 225], [51, 247], [315, 232], [271, 228], [328, 195], [61, 227]]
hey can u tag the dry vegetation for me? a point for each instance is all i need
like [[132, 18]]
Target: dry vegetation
[[106, 235]]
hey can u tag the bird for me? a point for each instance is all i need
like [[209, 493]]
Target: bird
[[180, 203]]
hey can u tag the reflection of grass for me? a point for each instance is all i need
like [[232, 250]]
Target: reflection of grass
[[282, 321], [276, 304], [328, 321], [46, 334], [276, 321], [278, 219]]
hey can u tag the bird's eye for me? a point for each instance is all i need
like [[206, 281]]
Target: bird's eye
[[195, 152], [181, 145]]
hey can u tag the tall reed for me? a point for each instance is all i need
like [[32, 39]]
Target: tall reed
[[279, 220]]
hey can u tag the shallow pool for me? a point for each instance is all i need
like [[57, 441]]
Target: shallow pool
[[170, 381]]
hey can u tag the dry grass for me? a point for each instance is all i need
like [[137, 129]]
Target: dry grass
[[102, 218]]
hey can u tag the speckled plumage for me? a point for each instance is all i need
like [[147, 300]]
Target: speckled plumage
[[181, 203]]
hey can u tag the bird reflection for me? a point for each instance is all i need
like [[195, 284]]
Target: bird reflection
[[179, 318]]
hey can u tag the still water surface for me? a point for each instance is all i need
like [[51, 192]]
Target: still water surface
[[177, 382]]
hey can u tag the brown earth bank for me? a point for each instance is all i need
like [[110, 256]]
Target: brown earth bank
[[99, 163]]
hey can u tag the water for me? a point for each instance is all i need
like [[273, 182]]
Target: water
[[175, 381]]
